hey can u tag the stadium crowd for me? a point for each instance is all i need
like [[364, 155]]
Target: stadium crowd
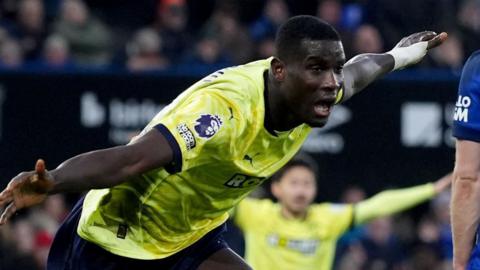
[[179, 34], [148, 35]]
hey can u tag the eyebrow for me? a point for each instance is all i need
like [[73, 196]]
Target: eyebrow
[[341, 61]]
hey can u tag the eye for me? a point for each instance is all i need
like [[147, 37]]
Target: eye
[[339, 69]]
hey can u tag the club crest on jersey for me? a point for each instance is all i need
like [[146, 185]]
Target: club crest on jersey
[[208, 125]]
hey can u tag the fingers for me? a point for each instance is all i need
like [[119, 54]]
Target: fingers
[[8, 213], [5, 198], [437, 40], [427, 35]]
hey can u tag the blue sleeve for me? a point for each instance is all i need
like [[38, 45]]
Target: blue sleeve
[[466, 118]]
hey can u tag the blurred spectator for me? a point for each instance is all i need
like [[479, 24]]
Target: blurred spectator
[[424, 257], [353, 194], [30, 29], [330, 11], [144, 51], [397, 18], [172, 17], [43, 242], [89, 39], [10, 257], [11, 55], [354, 258], [24, 235], [207, 52], [441, 210], [367, 39], [225, 27], [274, 14], [265, 48], [469, 25], [450, 54], [383, 249], [56, 54]]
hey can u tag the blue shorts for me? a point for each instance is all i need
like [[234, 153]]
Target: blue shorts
[[71, 252]]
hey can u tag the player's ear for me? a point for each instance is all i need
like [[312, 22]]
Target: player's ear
[[275, 189], [277, 67]]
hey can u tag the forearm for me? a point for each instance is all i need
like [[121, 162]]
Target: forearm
[[92, 170], [392, 201], [465, 212], [363, 69]]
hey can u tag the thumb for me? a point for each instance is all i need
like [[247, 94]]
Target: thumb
[[39, 170]]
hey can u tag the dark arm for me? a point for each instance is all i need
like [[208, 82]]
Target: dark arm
[[93, 170], [363, 69], [112, 166]]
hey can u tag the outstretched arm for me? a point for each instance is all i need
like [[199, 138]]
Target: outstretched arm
[[393, 201], [465, 205], [92, 170], [363, 69]]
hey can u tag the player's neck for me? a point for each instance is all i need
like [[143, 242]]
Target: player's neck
[[289, 214], [277, 115]]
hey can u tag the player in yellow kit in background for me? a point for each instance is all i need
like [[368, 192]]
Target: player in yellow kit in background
[[161, 201], [296, 234]]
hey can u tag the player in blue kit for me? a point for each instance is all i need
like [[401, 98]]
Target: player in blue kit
[[465, 204]]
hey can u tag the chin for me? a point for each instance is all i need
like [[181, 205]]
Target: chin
[[317, 123]]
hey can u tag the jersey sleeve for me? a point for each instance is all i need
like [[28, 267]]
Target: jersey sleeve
[[199, 130], [338, 217], [466, 118]]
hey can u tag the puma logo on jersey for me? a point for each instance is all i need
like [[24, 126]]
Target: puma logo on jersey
[[461, 108]]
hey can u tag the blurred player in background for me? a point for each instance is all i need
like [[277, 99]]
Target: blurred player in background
[[465, 204], [161, 201], [296, 234]]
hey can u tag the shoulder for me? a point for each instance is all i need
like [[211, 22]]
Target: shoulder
[[243, 81], [470, 80]]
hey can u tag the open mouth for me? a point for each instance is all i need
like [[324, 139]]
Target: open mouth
[[323, 107]]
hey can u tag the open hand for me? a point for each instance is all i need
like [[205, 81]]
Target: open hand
[[25, 190], [431, 37]]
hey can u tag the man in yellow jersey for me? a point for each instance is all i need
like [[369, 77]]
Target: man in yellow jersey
[[160, 202], [296, 234]]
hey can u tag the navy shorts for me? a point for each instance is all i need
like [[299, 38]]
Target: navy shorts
[[71, 252]]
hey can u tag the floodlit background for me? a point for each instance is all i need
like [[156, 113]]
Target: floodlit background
[[80, 75]]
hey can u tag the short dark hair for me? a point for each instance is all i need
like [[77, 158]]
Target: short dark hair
[[303, 27], [300, 160]]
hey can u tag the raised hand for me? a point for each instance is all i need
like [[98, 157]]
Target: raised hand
[[433, 39], [443, 183], [25, 190]]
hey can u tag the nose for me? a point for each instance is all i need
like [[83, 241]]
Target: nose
[[330, 81]]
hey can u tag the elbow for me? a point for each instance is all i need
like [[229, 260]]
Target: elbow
[[466, 182], [464, 175]]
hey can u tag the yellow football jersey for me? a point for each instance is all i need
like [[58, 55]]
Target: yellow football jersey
[[221, 152], [275, 242]]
